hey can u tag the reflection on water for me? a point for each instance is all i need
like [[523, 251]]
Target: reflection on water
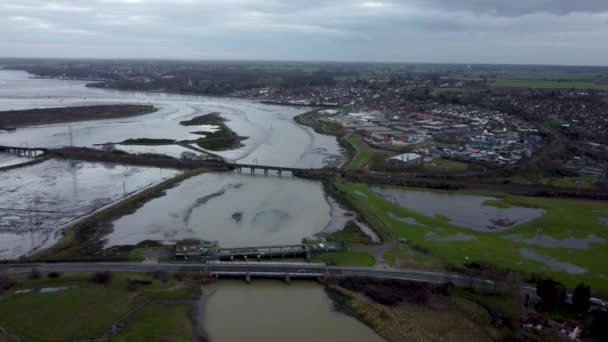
[[236, 210], [272, 311], [462, 210]]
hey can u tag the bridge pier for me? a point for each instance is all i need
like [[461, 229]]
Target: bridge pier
[[287, 278], [280, 172], [248, 278]]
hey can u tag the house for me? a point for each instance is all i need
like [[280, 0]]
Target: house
[[406, 159]]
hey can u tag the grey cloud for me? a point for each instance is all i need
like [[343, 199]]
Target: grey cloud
[[517, 31]]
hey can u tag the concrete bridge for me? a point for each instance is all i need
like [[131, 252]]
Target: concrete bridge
[[23, 151], [290, 251], [265, 168]]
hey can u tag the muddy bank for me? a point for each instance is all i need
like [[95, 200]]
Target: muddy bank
[[31, 117]]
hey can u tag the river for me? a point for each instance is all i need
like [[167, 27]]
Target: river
[[272, 311], [236, 210]]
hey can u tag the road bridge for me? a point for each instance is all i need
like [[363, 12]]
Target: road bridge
[[244, 269]]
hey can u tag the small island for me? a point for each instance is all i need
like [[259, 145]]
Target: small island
[[221, 140], [30, 117]]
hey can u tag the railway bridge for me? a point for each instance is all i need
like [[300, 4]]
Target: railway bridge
[[265, 168], [23, 151]]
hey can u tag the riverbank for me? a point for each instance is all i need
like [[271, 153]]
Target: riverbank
[[45, 116], [409, 311]]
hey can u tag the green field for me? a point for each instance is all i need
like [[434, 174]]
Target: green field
[[581, 182], [441, 164], [85, 309], [563, 219], [545, 84], [363, 152], [159, 320], [349, 258], [351, 234]]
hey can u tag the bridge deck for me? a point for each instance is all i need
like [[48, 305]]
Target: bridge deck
[[263, 167]]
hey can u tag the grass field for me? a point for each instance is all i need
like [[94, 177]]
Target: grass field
[[581, 182], [364, 152], [352, 234], [441, 164], [563, 219], [85, 309], [154, 321], [348, 258], [545, 84]]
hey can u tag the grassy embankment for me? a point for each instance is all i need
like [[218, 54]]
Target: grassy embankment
[[37, 316], [346, 258], [81, 240], [443, 165], [564, 218], [363, 155], [351, 234], [578, 182]]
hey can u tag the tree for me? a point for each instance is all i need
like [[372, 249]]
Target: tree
[[553, 293], [580, 297]]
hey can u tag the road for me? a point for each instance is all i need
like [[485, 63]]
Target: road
[[260, 269]]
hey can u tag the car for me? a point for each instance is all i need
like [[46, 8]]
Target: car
[[301, 270]]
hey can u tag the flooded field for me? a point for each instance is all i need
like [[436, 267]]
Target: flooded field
[[37, 200], [236, 210], [461, 210], [272, 311], [11, 159]]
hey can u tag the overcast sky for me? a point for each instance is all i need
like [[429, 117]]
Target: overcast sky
[[463, 31]]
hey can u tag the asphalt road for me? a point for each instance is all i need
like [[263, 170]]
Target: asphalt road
[[261, 269]]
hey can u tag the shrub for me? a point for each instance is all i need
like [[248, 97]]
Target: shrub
[[161, 275], [102, 278], [5, 283], [580, 297], [34, 274], [135, 284], [54, 275]]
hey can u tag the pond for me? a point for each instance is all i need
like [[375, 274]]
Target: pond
[[462, 210]]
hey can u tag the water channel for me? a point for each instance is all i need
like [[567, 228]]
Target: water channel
[[272, 311]]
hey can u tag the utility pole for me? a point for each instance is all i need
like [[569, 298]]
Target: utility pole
[[71, 137], [124, 189]]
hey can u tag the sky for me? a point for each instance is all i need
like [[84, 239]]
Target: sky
[[567, 32]]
